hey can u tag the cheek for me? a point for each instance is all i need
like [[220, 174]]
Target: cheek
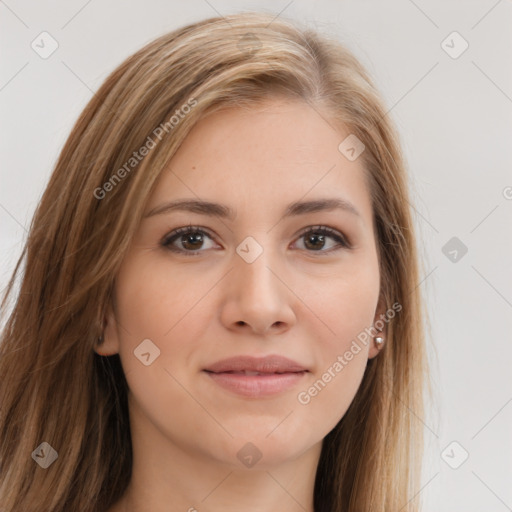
[[327, 396], [345, 306], [168, 308], [346, 310], [154, 300], [154, 304]]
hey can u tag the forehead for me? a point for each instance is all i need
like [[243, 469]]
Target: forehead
[[266, 156]]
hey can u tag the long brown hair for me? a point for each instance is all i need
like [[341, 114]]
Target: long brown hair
[[54, 388]]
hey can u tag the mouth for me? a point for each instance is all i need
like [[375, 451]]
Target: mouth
[[256, 377], [253, 384], [252, 373], [274, 364]]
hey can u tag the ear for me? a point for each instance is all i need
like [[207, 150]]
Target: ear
[[379, 325], [110, 343]]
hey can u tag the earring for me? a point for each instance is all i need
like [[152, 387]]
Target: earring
[[99, 340], [379, 341]]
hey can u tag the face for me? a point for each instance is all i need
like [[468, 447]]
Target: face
[[301, 284]]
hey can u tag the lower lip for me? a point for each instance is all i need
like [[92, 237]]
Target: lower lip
[[256, 386]]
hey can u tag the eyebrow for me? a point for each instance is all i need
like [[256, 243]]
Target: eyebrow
[[225, 212]]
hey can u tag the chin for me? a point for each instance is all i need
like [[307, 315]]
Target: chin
[[259, 450]]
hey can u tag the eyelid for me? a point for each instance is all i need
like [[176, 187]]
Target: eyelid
[[165, 241], [342, 240], [333, 233]]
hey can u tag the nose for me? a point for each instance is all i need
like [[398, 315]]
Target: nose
[[257, 298]]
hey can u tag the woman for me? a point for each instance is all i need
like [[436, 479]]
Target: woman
[[220, 307]]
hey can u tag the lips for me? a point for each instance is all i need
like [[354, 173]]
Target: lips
[[256, 378], [249, 365]]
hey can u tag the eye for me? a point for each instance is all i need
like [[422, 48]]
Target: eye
[[315, 239], [189, 239]]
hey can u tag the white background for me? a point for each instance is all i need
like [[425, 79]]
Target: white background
[[454, 116]]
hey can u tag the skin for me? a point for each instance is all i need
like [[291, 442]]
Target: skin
[[305, 301]]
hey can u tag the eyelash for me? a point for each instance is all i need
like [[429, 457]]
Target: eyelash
[[343, 243]]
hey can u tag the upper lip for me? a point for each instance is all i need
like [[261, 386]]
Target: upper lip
[[268, 364]]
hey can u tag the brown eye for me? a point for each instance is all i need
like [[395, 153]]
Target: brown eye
[[185, 240], [190, 240], [315, 239]]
